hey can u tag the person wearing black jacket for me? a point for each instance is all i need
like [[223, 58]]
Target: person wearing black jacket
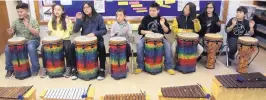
[[209, 22], [150, 24], [238, 26]]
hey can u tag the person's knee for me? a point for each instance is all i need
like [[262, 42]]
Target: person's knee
[[140, 43], [7, 49], [31, 48]]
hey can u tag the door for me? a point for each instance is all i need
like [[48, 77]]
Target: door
[[4, 25]]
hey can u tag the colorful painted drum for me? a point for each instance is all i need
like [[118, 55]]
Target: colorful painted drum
[[153, 53], [87, 57], [118, 57], [186, 52], [53, 56], [19, 55]]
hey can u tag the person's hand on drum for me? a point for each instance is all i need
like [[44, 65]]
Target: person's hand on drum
[[251, 23], [162, 20], [10, 31], [90, 35], [148, 32], [78, 15]]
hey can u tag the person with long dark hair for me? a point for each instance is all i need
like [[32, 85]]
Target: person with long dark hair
[[61, 26], [91, 24], [209, 22], [187, 22]]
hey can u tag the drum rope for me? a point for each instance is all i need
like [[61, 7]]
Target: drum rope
[[118, 54], [52, 54], [84, 56], [155, 53], [16, 53], [255, 55]]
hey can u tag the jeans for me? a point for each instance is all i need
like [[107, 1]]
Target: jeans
[[232, 44], [168, 63], [32, 46], [101, 55], [128, 50]]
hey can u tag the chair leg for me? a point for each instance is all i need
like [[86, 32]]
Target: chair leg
[[132, 62], [227, 59], [221, 51]]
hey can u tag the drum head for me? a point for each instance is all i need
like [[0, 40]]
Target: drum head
[[85, 39], [51, 39], [188, 36], [213, 36], [16, 40], [117, 40], [248, 40], [154, 36]]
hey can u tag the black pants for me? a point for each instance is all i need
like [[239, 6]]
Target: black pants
[[101, 55], [128, 50], [232, 44], [66, 49]]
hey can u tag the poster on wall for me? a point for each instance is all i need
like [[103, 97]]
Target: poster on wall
[[47, 13], [99, 6], [47, 2], [66, 2], [181, 4]]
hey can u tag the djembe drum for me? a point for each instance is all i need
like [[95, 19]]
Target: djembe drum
[[18, 93], [118, 57], [186, 52], [19, 55], [68, 94], [246, 47], [246, 86], [213, 43], [190, 92], [153, 53], [53, 54], [87, 57]]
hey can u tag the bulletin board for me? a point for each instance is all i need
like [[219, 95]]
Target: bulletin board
[[112, 6]]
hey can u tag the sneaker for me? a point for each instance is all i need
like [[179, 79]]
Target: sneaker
[[229, 63], [9, 74], [43, 73], [101, 75], [67, 73], [74, 74], [35, 73], [199, 58], [171, 71], [138, 70]]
